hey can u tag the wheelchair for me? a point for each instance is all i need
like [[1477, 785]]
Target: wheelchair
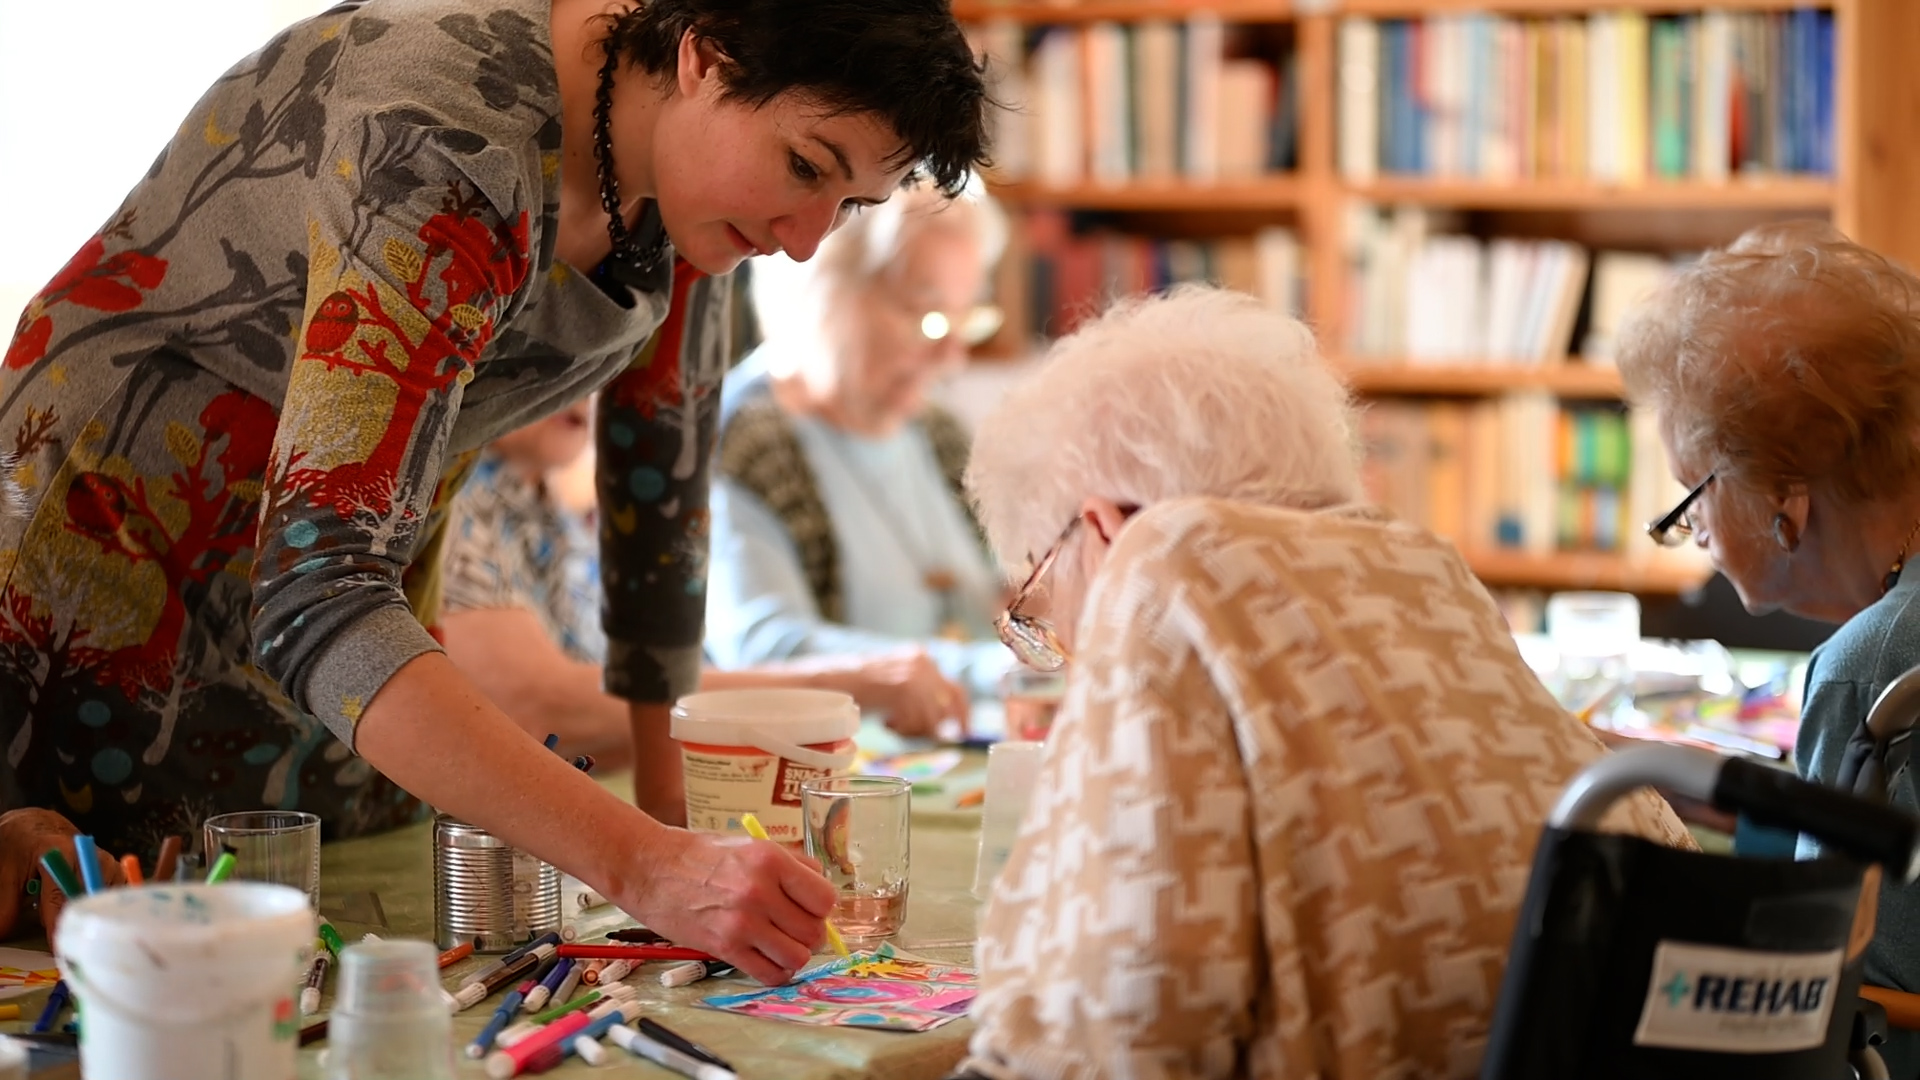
[[1634, 960]]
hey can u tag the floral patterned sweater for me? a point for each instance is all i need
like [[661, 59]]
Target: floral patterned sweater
[[241, 406]]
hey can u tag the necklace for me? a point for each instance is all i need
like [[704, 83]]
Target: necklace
[[632, 262], [1899, 561]]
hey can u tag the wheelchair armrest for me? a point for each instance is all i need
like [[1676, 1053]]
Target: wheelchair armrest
[[1866, 831], [1897, 708], [1902, 1008]]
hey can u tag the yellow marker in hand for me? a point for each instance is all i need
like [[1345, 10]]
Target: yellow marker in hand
[[759, 832]]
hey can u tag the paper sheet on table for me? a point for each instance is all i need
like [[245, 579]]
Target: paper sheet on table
[[915, 766], [880, 989], [22, 970]]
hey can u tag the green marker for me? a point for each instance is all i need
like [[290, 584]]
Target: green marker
[[581, 1002], [62, 874], [222, 868], [332, 937]]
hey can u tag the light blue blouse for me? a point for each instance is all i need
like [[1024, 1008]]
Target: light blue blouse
[[894, 520]]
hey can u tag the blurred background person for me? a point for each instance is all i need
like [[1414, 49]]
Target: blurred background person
[[1785, 372], [521, 613], [838, 520]]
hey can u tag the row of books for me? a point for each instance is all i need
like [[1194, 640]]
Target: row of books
[[1072, 275], [1522, 472], [1617, 96], [1157, 100], [1417, 291]]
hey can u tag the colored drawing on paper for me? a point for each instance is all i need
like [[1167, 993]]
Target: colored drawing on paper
[[915, 767], [880, 989], [22, 970]]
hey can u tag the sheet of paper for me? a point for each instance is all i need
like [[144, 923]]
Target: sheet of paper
[[915, 766], [879, 989], [22, 970]]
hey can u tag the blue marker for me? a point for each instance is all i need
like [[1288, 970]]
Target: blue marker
[[537, 999], [553, 740], [548, 938], [89, 863], [596, 1028], [56, 1001], [483, 1042]]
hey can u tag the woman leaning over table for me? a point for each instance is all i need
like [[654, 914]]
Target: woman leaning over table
[[1785, 370], [1288, 809], [838, 521], [398, 230]]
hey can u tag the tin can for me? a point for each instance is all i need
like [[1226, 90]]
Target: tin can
[[487, 891]]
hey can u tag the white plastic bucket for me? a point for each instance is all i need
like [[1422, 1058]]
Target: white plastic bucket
[[748, 751], [188, 982]]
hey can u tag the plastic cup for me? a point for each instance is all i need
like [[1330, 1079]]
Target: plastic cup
[[1012, 770], [280, 847], [390, 1017], [186, 982], [858, 828]]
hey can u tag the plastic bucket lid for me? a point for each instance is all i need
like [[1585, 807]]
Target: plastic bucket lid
[[758, 718], [183, 954]]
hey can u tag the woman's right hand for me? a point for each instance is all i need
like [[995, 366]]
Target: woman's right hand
[[752, 903]]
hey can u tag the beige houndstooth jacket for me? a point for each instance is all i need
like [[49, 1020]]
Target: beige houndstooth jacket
[[1286, 815]]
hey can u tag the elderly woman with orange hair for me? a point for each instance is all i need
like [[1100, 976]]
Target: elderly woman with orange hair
[[1786, 373]]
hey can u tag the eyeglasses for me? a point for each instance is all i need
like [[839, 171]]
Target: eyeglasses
[[971, 326], [1676, 525], [1032, 638], [979, 323]]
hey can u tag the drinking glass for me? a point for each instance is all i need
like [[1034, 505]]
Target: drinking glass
[[1031, 699], [857, 827], [281, 847]]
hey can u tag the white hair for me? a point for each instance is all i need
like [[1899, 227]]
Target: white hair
[[791, 299], [1200, 391]]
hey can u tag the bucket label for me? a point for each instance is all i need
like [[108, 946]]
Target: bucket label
[[286, 1024], [721, 786], [787, 781], [1743, 1001]]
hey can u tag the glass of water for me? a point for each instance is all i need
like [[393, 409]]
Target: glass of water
[[857, 827], [280, 847]]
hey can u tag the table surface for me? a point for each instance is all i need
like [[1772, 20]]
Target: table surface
[[390, 877]]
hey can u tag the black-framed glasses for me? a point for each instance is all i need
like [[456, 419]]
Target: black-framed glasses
[[1032, 638], [1676, 525]]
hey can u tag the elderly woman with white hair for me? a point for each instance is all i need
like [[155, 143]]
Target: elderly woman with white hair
[[839, 526], [1286, 814]]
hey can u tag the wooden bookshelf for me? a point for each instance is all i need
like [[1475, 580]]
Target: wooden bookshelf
[[1566, 570], [1815, 195], [1869, 195], [1413, 9], [1265, 193], [1571, 379], [1076, 11]]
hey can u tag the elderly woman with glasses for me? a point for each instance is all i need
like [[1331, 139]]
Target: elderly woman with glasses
[[838, 521], [1785, 370], [1288, 808]]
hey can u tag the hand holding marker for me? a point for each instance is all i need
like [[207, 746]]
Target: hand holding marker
[[758, 832]]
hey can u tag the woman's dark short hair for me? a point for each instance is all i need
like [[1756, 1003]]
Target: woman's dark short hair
[[903, 61]]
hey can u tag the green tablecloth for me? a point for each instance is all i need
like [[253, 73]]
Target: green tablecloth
[[396, 870]]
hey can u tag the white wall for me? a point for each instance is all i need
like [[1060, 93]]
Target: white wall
[[90, 90]]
